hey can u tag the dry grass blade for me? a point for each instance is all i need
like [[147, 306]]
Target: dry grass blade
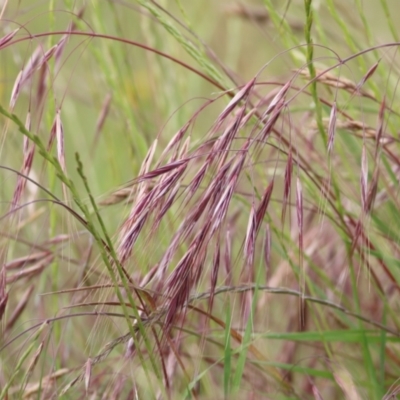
[[262, 207], [247, 118], [357, 128], [31, 271], [162, 170], [258, 14], [364, 177], [35, 359], [300, 224], [71, 384], [222, 145], [198, 178], [28, 126], [168, 183], [25, 74], [60, 139], [3, 293], [214, 273], [130, 349], [29, 153], [174, 142], [182, 279], [239, 96], [170, 367], [118, 390], [41, 86], [228, 256], [117, 196], [316, 393], [145, 167], [129, 236], [287, 185], [167, 205], [53, 134], [267, 129], [278, 99], [64, 39], [345, 381], [47, 56], [88, 374], [329, 79], [246, 302], [16, 90], [7, 38], [221, 207], [59, 239], [19, 308], [392, 393], [254, 224], [372, 191], [242, 94], [267, 250], [60, 49], [368, 75], [45, 384], [379, 130], [332, 127], [249, 246], [105, 109], [299, 209], [35, 62]]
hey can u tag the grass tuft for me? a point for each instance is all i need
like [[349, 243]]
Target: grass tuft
[[199, 204]]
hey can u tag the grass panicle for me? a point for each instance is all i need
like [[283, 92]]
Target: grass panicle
[[199, 208]]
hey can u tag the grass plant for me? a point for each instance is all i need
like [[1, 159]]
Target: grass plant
[[199, 200]]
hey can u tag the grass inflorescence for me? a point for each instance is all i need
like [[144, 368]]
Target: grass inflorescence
[[189, 215]]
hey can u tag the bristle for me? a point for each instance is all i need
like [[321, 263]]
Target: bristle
[[287, 185]]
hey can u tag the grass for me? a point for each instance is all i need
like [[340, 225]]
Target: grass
[[199, 200]]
